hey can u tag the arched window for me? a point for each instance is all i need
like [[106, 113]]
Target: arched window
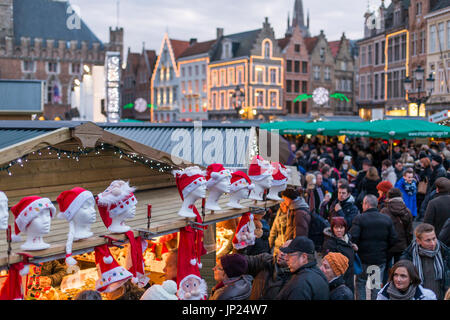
[[267, 50], [54, 93]]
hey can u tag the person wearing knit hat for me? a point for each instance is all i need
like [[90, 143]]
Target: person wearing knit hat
[[383, 187], [166, 291], [232, 281], [32, 215], [77, 206], [334, 265], [117, 204]]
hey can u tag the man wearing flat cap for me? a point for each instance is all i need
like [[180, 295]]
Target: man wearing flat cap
[[307, 281]]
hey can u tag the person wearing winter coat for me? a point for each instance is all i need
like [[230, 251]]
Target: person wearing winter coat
[[444, 235], [334, 265], [374, 234], [408, 187], [403, 222], [345, 207], [431, 257], [404, 284], [307, 281], [438, 170], [370, 181], [388, 172], [337, 240], [270, 274], [298, 217], [438, 209], [383, 187], [278, 229], [232, 282]]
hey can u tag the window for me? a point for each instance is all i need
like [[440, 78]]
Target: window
[[322, 54], [422, 42], [383, 46], [448, 35], [168, 73], [289, 66], [223, 77], [259, 74], [222, 100], [196, 70], [273, 76], [183, 87], [382, 78], [231, 79], [289, 106], [267, 50], [183, 72], [289, 85], [377, 53], [303, 107], [189, 87], [297, 67], [204, 69], [316, 70], [304, 66], [204, 85], [441, 36], [369, 87], [396, 48], [296, 108], [369, 55], [174, 92], [395, 83], [52, 67], [240, 73], [190, 71], [197, 87], [403, 47], [413, 44], [304, 86], [362, 91], [214, 101], [54, 92], [296, 86], [28, 66], [375, 95], [363, 56], [259, 98], [419, 9], [273, 99], [75, 68], [297, 48], [327, 73], [433, 39], [390, 50], [396, 17]]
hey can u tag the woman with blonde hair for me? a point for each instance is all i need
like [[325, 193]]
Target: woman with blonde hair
[[370, 182]]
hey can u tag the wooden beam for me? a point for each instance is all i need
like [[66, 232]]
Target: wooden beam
[[20, 149]]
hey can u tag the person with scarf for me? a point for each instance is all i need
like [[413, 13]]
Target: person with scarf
[[431, 258], [334, 265], [345, 205], [408, 187], [404, 284]]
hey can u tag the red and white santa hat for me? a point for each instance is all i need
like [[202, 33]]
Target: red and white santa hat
[[26, 210], [12, 287], [244, 235], [70, 202], [215, 173], [259, 169], [188, 180], [115, 200], [239, 180], [280, 174], [110, 274], [190, 284]]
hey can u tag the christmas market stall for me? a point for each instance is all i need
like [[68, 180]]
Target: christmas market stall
[[110, 209]]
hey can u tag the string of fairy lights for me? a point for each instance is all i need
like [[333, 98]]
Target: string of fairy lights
[[77, 154]]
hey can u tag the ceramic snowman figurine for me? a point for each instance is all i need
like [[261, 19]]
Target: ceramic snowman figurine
[[240, 189], [218, 183], [191, 184], [77, 206], [3, 211], [33, 217], [279, 183], [260, 173], [116, 205]]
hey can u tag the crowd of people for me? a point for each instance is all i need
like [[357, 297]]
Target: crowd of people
[[367, 222]]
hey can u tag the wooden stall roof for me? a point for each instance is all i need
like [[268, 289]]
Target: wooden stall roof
[[165, 205]]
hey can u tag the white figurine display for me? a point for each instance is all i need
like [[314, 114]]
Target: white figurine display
[[116, 205], [240, 189], [3, 211], [78, 207], [260, 173], [218, 182], [191, 185], [280, 178], [33, 217]]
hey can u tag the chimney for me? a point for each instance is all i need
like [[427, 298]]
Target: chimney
[[192, 41], [219, 33]]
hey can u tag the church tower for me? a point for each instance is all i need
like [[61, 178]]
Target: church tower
[[298, 20]]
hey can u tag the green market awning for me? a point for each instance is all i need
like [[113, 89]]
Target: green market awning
[[385, 129]]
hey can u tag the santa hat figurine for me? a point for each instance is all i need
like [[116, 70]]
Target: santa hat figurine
[[280, 174], [70, 202], [215, 173], [26, 211], [116, 200], [189, 180], [110, 274], [245, 232], [259, 169], [240, 180]]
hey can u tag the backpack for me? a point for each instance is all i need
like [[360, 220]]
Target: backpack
[[316, 226]]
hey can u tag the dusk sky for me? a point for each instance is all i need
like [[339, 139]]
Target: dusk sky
[[147, 20]]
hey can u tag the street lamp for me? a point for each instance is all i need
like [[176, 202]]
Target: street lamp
[[419, 75]]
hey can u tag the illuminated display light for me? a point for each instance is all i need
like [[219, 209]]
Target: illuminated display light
[[112, 86]]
